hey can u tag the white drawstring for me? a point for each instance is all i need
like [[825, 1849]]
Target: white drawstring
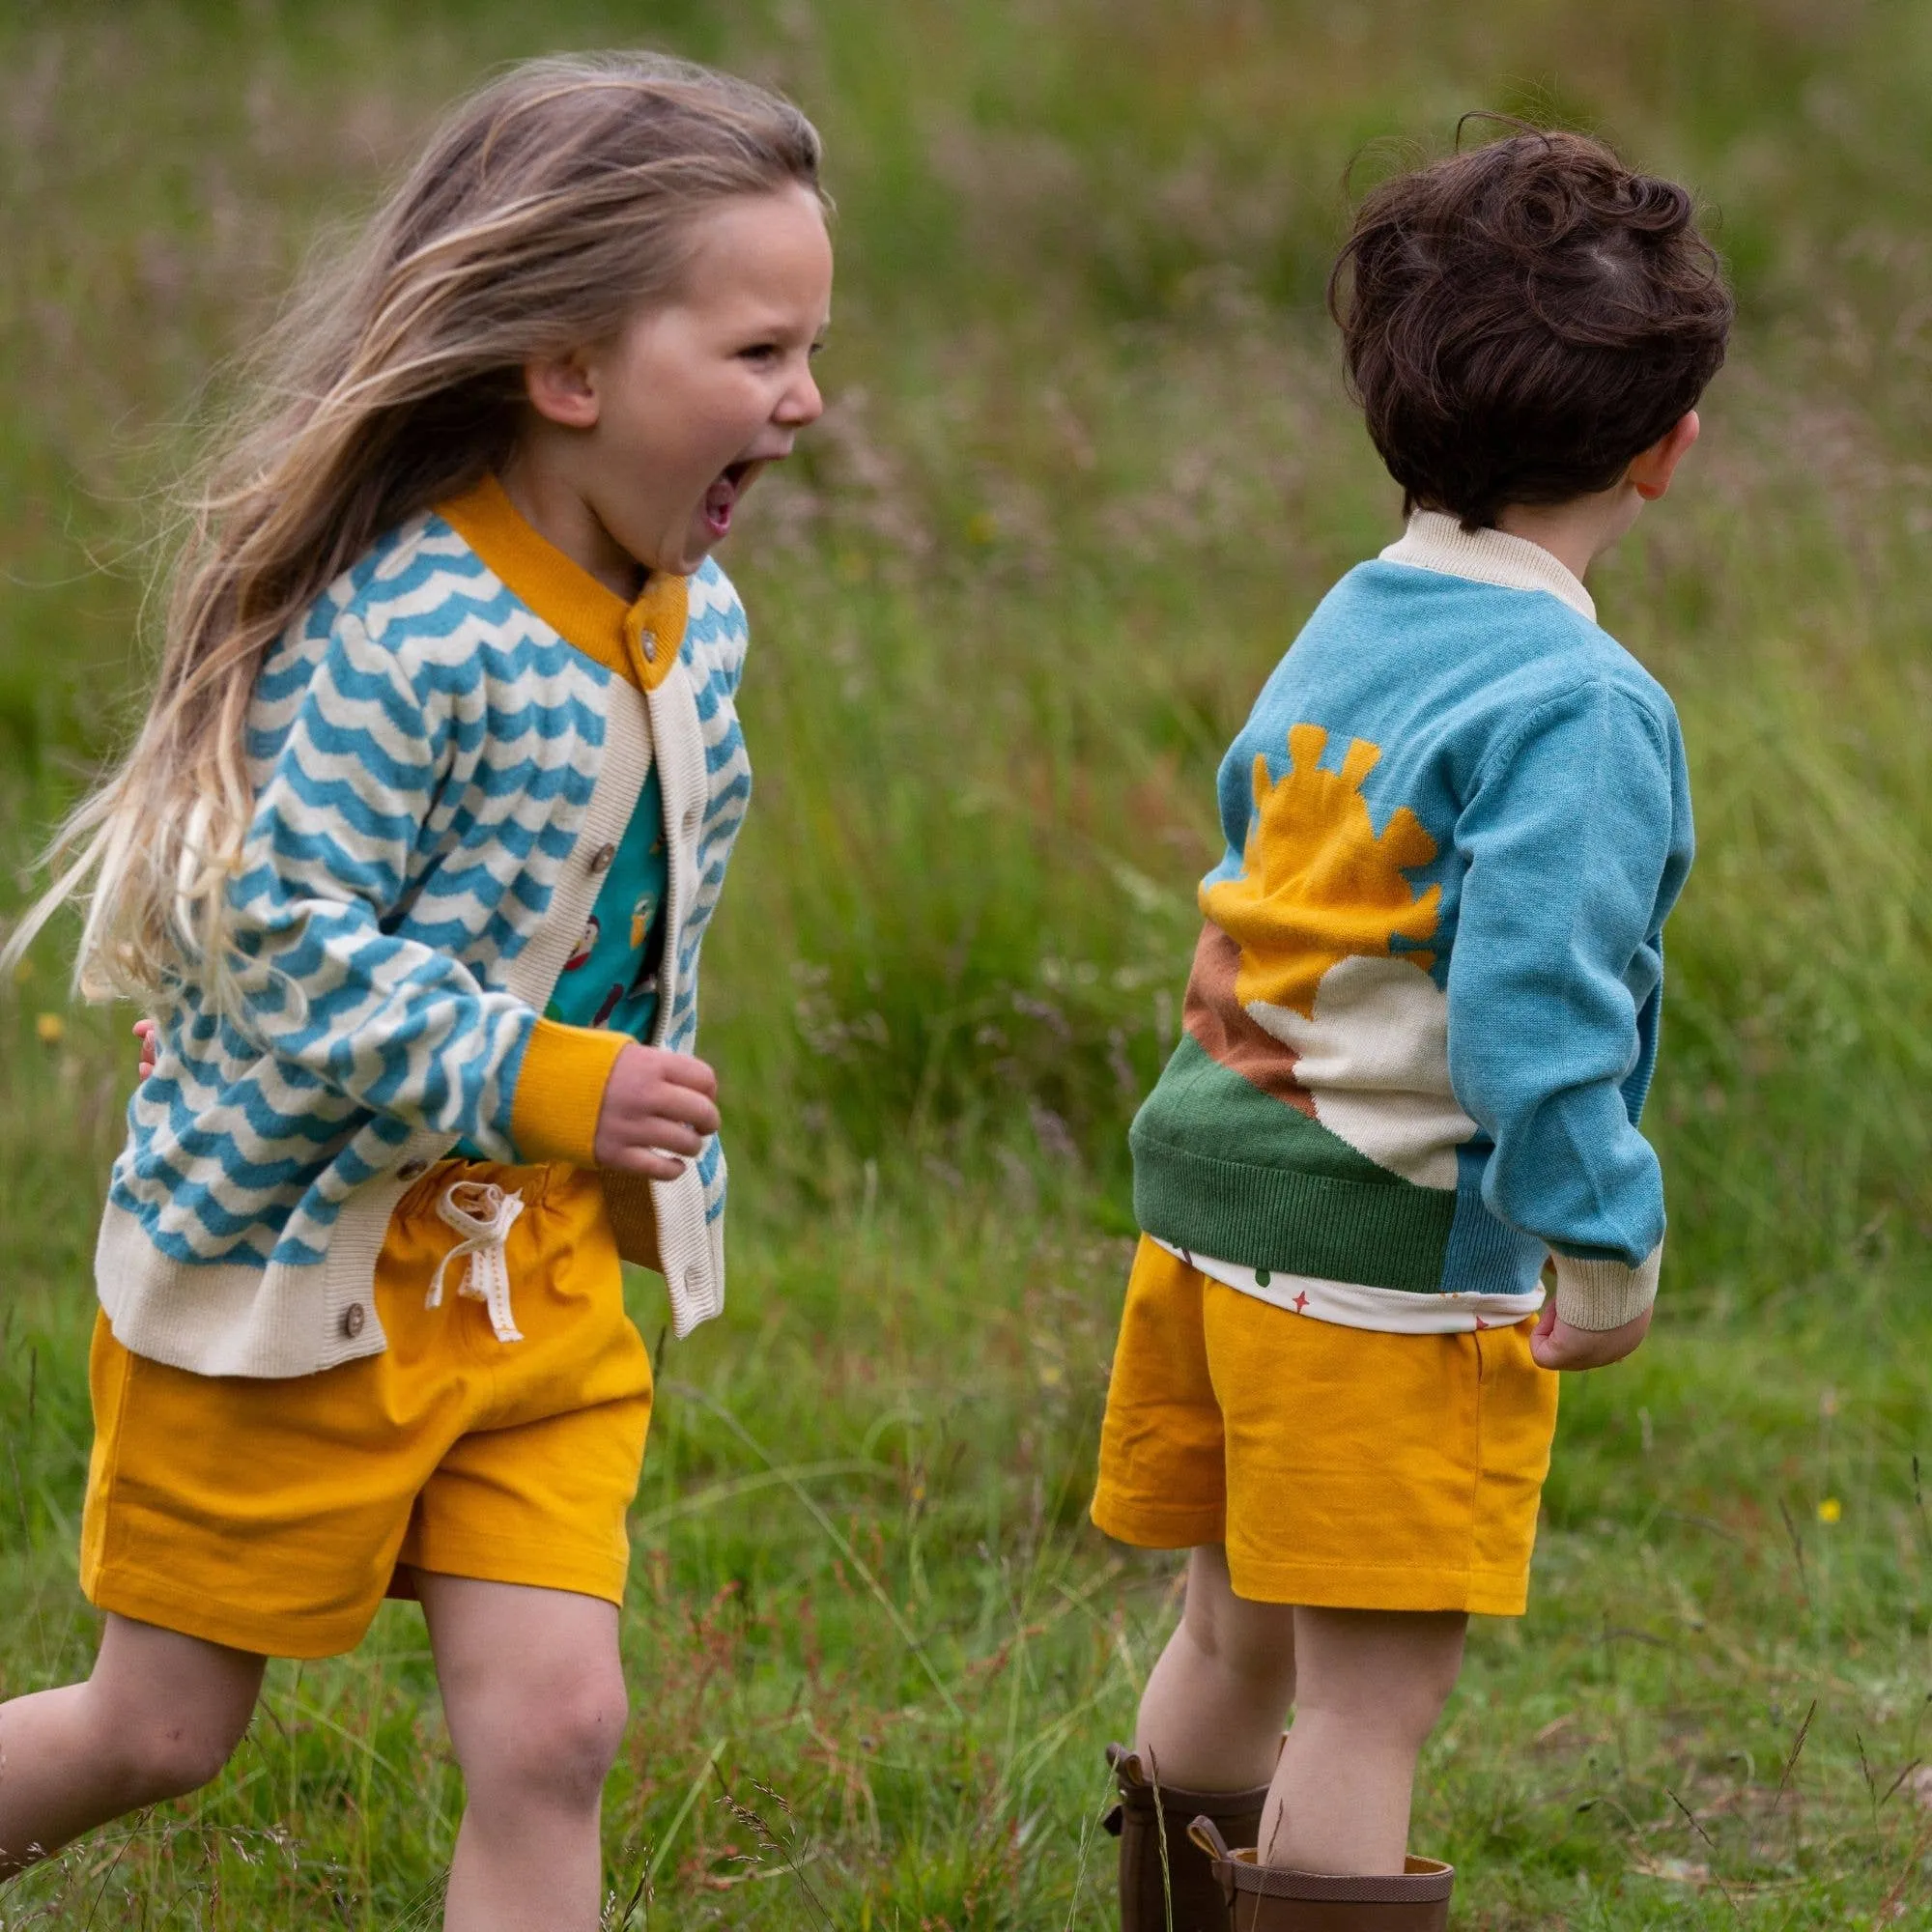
[[483, 1214]]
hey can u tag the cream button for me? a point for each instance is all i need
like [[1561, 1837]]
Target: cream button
[[352, 1319], [649, 641]]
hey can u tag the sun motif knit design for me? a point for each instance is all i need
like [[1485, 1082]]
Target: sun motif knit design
[[1318, 883], [1422, 1014]]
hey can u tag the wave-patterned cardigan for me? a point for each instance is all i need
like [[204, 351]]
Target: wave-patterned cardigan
[[444, 751]]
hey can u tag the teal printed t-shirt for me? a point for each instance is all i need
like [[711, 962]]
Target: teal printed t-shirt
[[610, 978]]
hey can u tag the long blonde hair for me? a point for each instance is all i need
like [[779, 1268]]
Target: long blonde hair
[[550, 207]]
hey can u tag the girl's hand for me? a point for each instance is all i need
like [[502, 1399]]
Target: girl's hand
[[1555, 1344], [144, 1031], [656, 1105]]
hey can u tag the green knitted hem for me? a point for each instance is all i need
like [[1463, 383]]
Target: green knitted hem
[[1384, 1233]]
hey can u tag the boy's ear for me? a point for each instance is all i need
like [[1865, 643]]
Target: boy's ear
[[562, 391], [1650, 473]]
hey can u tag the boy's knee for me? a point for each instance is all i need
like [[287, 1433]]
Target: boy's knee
[[1391, 1676], [1253, 1642], [555, 1744], [1419, 1694]]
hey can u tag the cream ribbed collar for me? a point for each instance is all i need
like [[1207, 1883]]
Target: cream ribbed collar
[[1436, 541]]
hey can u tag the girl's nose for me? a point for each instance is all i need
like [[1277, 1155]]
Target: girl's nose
[[802, 403]]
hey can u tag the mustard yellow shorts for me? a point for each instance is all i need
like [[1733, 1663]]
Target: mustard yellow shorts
[[1341, 1467], [272, 1516]]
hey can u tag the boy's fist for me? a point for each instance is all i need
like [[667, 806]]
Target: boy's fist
[[1555, 1344], [657, 1105]]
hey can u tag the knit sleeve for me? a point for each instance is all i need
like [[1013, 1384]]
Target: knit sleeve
[[393, 1024], [1576, 840], [728, 629]]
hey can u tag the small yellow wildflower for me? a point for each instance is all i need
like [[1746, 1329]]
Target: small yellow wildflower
[[982, 527], [50, 1029], [1830, 1510]]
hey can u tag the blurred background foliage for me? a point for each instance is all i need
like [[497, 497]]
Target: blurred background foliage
[[1087, 466]]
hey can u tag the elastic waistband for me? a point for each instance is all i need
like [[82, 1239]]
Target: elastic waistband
[[534, 1183]]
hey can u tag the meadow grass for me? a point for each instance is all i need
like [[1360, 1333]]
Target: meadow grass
[[1087, 467]]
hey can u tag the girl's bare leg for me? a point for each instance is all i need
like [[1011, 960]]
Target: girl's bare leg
[[533, 1693], [1212, 1715], [158, 1717], [1372, 1685]]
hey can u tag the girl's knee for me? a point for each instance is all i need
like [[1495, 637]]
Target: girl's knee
[[166, 1711], [166, 1752]]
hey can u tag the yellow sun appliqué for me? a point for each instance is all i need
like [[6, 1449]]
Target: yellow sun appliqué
[[1319, 884]]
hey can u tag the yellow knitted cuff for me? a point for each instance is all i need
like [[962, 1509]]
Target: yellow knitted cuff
[[561, 1091], [1606, 1294]]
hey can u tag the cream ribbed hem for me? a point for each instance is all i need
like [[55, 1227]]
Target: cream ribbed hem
[[1439, 543], [1606, 1294]]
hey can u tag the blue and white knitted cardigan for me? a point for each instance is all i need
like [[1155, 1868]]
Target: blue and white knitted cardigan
[[444, 751]]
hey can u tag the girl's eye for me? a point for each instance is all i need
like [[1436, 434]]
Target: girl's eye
[[760, 352]]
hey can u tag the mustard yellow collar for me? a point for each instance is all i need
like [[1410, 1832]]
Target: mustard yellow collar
[[639, 641]]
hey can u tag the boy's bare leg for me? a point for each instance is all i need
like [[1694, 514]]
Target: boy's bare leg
[[158, 1717], [1212, 1715], [533, 1693], [1372, 1685]]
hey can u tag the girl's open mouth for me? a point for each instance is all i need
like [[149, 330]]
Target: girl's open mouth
[[722, 498]]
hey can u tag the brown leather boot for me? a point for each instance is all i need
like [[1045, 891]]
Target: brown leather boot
[[1176, 1893], [1261, 1898]]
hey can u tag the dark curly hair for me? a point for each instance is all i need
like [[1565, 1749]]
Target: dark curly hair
[[1522, 319]]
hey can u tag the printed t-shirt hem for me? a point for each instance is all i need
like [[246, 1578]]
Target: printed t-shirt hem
[[1349, 1304], [164, 1602]]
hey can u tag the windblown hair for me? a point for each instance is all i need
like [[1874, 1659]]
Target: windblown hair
[[550, 208], [1522, 319]]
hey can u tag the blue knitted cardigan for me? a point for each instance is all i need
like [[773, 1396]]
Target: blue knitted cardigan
[[443, 749]]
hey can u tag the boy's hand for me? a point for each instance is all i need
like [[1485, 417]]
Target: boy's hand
[[144, 1031], [656, 1105], [1555, 1344]]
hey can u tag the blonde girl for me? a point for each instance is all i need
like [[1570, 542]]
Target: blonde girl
[[411, 861]]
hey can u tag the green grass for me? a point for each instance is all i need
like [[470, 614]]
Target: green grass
[[1087, 466]]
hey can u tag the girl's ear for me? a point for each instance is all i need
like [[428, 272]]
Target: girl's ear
[[562, 390]]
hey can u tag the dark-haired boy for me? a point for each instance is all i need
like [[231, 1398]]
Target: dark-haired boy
[[1419, 1029]]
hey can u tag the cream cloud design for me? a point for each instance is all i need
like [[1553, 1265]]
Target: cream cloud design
[[1375, 1057]]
